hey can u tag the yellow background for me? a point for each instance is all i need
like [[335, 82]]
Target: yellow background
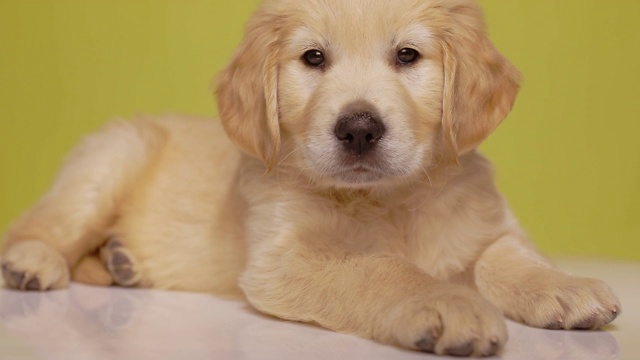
[[568, 158]]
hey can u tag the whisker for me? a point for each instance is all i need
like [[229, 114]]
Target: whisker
[[426, 197]]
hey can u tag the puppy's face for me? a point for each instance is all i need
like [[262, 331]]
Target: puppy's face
[[360, 91], [363, 93]]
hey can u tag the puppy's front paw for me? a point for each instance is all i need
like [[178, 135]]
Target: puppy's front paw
[[565, 302], [452, 320], [34, 265]]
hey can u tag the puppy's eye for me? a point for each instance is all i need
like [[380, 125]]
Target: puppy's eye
[[407, 56], [313, 58]]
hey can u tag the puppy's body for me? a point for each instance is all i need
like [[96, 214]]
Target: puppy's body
[[376, 216]]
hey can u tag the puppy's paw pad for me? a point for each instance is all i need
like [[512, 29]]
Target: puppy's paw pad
[[13, 278], [587, 323], [34, 266], [557, 324], [33, 284], [463, 350], [120, 263], [428, 343], [493, 348]]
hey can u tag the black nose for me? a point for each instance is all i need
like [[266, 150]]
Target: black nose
[[359, 131]]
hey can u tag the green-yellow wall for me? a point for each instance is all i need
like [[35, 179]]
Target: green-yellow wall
[[568, 158]]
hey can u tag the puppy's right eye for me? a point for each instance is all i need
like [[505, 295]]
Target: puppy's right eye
[[313, 58]]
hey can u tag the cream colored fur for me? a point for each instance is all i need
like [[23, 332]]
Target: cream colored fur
[[419, 250]]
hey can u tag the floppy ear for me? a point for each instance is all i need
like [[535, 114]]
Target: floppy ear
[[247, 91], [480, 85]]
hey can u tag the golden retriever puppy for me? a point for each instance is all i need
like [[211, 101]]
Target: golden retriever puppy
[[340, 187]]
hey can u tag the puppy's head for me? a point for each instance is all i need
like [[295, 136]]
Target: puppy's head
[[361, 93]]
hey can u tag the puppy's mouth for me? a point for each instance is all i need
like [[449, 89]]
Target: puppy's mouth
[[359, 174], [360, 169]]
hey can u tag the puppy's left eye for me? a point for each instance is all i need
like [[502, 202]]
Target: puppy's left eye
[[407, 56]]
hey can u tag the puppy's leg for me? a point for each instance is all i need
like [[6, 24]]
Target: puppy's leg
[[70, 221], [513, 276], [380, 297]]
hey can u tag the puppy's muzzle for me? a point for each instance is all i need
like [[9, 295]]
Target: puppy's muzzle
[[359, 129]]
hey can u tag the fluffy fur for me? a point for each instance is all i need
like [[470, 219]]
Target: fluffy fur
[[411, 245]]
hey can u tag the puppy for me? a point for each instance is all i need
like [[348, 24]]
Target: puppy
[[346, 192]]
